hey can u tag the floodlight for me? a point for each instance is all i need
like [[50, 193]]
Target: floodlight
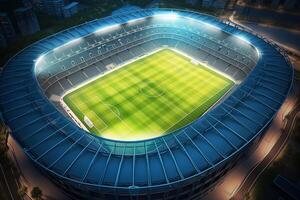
[[243, 38], [107, 28], [39, 59], [68, 43], [166, 16], [257, 51], [211, 25], [73, 41], [135, 20], [56, 48]]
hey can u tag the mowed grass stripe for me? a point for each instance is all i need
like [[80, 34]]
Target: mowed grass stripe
[[149, 97]]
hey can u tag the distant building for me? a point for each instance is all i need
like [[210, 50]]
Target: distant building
[[27, 21], [275, 3], [6, 27], [219, 4], [58, 7], [54, 7], [35, 4], [2, 41], [27, 3], [290, 4], [70, 9], [192, 2], [207, 3]]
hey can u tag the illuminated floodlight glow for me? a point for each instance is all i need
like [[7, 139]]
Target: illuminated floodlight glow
[[68, 43], [204, 23], [211, 25], [39, 59], [73, 41], [107, 28], [135, 20], [257, 51], [243, 39], [166, 16]]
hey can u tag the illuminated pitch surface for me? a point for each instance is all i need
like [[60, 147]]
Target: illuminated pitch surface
[[148, 98]]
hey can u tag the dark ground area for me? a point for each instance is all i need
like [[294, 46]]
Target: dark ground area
[[286, 164]]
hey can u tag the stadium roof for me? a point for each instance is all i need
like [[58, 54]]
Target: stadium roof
[[56, 144]]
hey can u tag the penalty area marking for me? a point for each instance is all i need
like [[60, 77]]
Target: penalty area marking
[[111, 107], [119, 117]]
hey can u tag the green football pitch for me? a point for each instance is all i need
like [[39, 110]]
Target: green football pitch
[[149, 97]]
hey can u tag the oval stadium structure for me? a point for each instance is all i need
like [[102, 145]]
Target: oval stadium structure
[[184, 164]]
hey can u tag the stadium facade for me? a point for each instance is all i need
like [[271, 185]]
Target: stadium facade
[[185, 164]]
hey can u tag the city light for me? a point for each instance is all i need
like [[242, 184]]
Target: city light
[[166, 16]]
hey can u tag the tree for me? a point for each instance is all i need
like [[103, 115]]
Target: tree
[[23, 191], [36, 193]]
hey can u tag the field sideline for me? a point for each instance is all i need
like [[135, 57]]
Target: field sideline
[[147, 98]]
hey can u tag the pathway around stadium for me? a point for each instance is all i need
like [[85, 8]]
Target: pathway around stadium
[[254, 174], [244, 174], [8, 183], [31, 176]]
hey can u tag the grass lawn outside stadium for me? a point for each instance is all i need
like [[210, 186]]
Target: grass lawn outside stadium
[[147, 98]]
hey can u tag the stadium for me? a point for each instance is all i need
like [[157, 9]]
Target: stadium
[[143, 104]]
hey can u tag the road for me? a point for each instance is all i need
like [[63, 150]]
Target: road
[[31, 176], [8, 183], [250, 180]]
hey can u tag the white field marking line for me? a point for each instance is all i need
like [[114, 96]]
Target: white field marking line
[[112, 83], [6, 182], [72, 115], [124, 64], [127, 75], [110, 105], [161, 95], [164, 101], [81, 104], [202, 83], [172, 62], [119, 117], [176, 66], [170, 107], [101, 129], [110, 71], [195, 90], [186, 114], [215, 85], [84, 115], [150, 96], [205, 65], [199, 107]]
